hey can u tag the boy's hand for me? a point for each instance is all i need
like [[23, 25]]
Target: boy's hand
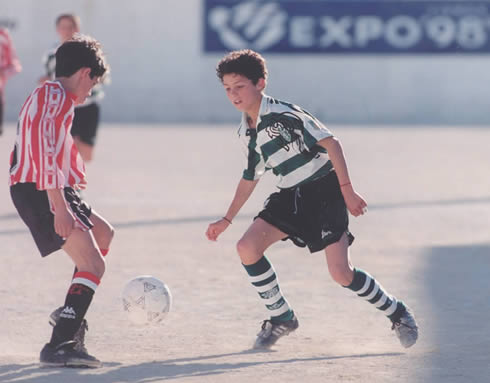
[[216, 228], [63, 223], [355, 203]]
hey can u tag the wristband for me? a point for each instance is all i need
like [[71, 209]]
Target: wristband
[[347, 183], [227, 220]]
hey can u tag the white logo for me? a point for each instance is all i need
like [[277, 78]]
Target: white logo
[[249, 25], [68, 312], [326, 233]]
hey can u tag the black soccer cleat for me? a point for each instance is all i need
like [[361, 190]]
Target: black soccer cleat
[[79, 336], [272, 330], [65, 355]]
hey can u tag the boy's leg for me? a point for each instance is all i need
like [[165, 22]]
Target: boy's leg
[[103, 233], [262, 275], [82, 248], [367, 287]]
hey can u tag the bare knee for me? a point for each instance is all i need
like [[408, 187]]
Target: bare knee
[[341, 273], [94, 264], [104, 234], [110, 232], [247, 251]]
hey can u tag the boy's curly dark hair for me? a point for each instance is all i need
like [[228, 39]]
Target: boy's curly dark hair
[[80, 52], [244, 62]]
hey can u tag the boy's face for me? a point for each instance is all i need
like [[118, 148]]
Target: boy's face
[[85, 85], [66, 29], [242, 92]]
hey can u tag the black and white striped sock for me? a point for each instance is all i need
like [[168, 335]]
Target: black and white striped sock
[[365, 286], [263, 277]]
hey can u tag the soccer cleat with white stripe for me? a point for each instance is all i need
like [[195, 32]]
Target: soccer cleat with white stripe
[[406, 329], [65, 355], [79, 336], [272, 330]]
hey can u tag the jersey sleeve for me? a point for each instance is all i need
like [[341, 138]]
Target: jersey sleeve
[[313, 131], [49, 131]]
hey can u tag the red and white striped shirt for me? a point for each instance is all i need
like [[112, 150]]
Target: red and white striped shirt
[[44, 151], [9, 63]]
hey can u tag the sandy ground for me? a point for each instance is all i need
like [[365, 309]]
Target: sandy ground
[[426, 238]]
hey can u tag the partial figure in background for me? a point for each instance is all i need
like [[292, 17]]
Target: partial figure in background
[[87, 116], [9, 65], [312, 204], [45, 178]]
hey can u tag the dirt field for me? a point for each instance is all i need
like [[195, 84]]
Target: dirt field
[[426, 238]]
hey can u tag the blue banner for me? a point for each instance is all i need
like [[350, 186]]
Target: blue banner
[[340, 27]]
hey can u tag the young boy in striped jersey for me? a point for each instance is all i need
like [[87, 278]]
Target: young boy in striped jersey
[[310, 208], [46, 172]]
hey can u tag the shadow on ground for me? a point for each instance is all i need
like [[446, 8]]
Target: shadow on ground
[[157, 370], [458, 283]]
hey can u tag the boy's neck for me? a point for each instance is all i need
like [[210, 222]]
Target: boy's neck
[[253, 114], [68, 84]]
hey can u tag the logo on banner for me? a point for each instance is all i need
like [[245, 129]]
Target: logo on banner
[[377, 26], [249, 24]]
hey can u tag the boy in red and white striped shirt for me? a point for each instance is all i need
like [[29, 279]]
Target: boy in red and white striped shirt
[[46, 172]]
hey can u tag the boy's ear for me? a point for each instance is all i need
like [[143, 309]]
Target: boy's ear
[[85, 71], [261, 83]]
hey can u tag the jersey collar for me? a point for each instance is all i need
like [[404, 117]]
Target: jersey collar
[[263, 110], [70, 95]]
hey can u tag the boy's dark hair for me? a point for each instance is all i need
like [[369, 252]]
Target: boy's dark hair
[[80, 52], [69, 16], [244, 62]]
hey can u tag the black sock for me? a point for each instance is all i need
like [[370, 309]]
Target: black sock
[[76, 305]]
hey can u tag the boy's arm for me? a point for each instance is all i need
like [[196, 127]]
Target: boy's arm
[[242, 194], [355, 203], [63, 219]]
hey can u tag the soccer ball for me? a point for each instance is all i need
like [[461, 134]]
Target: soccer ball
[[146, 300]]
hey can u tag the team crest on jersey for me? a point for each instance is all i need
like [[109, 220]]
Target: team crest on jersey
[[284, 125]]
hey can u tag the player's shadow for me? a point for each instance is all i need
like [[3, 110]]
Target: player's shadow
[[458, 289], [9, 216], [159, 370]]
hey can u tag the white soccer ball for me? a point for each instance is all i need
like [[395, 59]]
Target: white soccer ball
[[146, 300]]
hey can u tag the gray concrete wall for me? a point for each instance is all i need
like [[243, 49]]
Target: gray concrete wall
[[160, 73]]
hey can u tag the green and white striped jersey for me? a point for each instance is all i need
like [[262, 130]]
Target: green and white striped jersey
[[284, 141]]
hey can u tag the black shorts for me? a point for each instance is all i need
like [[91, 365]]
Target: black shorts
[[313, 214], [85, 123], [34, 209]]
